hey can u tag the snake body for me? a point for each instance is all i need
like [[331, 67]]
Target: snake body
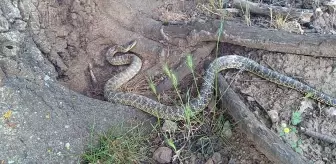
[[199, 103]]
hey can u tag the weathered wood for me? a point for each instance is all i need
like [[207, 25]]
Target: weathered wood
[[265, 140], [317, 45], [270, 10]]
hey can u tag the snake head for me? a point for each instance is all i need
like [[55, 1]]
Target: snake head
[[128, 46], [121, 48]]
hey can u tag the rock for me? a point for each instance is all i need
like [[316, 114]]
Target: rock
[[226, 131], [232, 161], [217, 158], [209, 161], [274, 115], [319, 162], [306, 104], [331, 112], [193, 159], [251, 99], [163, 155], [169, 126]]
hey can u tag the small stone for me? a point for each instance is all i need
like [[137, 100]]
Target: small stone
[[46, 78], [193, 159], [305, 17], [274, 115], [217, 158], [331, 112], [249, 98], [163, 155], [67, 146], [306, 104], [169, 126], [319, 162], [209, 161], [232, 161], [226, 131]]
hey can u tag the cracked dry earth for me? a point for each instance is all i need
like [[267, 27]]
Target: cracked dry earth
[[43, 42]]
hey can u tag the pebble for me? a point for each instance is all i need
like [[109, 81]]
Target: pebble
[[217, 158], [274, 115], [209, 161], [169, 126], [163, 155], [331, 112]]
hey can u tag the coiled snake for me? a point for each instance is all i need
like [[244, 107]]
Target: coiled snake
[[197, 104]]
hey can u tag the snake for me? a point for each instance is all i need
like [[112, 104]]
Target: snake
[[199, 103]]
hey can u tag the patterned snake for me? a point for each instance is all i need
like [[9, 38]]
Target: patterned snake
[[197, 104]]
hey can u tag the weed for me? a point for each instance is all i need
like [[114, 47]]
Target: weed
[[296, 146], [309, 95], [247, 16], [119, 147], [290, 133], [223, 127], [152, 86], [173, 78], [206, 145], [214, 7], [7, 115], [280, 21], [216, 4], [191, 66], [296, 118], [171, 143], [191, 127], [192, 124]]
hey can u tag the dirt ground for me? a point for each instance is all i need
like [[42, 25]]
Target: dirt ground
[[81, 32], [315, 71]]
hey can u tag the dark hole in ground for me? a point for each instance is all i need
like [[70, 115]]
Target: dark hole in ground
[[9, 47]]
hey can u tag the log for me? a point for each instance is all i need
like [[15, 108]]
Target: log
[[265, 140], [236, 33], [264, 9]]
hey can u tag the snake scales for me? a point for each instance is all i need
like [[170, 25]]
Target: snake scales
[[197, 104]]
